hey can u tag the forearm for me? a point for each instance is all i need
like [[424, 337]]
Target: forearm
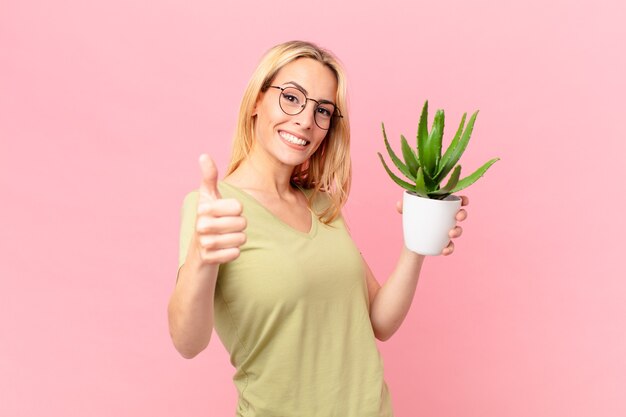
[[190, 310], [393, 300]]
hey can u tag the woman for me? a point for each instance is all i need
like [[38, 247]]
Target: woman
[[266, 258]]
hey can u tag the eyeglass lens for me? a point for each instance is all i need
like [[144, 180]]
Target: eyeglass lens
[[292, 101]]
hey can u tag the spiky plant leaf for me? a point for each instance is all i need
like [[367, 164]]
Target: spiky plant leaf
[[471, 179], [446, 190], [395, 178], [429, 181], [410, 174], [422, 133], [444, 166], [435, 138], [417, 158], [409, 157], [420, 186], [422, 128], [459, 147]]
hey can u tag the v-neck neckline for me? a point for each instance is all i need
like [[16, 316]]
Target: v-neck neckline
[[313, 229]]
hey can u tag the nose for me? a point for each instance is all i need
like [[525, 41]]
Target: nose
[[306, 118]]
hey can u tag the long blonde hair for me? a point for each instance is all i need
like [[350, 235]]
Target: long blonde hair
[[329, 169]]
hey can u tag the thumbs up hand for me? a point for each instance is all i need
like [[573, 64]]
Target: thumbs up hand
[[208, 187], [219, 223]]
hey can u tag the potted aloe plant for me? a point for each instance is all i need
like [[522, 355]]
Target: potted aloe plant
[[429, 209]]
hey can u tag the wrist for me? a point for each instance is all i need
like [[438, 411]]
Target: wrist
[[412, 256]]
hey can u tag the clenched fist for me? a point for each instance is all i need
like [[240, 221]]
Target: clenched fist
[[219, 230]]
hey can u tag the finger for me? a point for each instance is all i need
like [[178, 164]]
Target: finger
[[464, 200], [456, 232], [399, 206], [461, 215], [448, 249], [208, 187], [221, 256], [225, 241], [220, 208], [220, 225]]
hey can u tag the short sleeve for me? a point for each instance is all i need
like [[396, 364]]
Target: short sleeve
[[187, 224]]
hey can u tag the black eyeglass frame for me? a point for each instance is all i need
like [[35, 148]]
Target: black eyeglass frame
[[336, 112]]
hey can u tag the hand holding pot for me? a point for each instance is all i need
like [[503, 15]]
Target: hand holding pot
[[454, 232]]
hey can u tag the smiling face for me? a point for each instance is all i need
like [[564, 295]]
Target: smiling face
[[291, 140]]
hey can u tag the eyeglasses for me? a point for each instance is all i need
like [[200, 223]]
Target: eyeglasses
[[292, 101]]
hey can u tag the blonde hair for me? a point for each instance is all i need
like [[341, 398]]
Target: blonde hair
[[329, 169]]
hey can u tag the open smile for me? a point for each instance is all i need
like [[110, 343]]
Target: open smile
[[293, 139]]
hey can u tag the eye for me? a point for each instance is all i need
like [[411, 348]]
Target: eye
[[325, 111], [291, 98]]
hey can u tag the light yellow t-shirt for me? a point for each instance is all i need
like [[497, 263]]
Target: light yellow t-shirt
[[292, 311]]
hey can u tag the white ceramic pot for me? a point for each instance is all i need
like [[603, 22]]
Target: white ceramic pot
[[426, 222]]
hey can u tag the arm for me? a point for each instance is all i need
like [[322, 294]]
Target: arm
[[190, 310], [211, 234], [390, 303]]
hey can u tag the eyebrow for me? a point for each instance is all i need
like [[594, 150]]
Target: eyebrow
[[299, 87]]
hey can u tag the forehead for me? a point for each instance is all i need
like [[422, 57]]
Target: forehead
[[317, 79]]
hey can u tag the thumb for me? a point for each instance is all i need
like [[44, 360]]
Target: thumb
[[208, 187]]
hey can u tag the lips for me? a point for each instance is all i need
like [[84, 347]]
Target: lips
[[293, 139]]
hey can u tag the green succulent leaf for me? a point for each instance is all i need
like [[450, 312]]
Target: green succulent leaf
[[452, 182], [456, 149], [409, 157], [429, 181], [406, 170], [435, 138], [471, 179], [420, 186], [395, 178], [444, 165], [430, 149], [422, 133], [422, 128]]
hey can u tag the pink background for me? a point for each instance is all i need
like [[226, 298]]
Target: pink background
[[105, 107]]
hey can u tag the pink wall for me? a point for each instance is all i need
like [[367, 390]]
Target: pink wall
[[105, 107]]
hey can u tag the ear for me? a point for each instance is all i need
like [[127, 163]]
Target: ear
[[255, 110]]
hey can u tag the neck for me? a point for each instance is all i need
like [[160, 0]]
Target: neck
[[258, 173]]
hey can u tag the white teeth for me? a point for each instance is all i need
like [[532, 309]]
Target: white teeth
[[292, 139]]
